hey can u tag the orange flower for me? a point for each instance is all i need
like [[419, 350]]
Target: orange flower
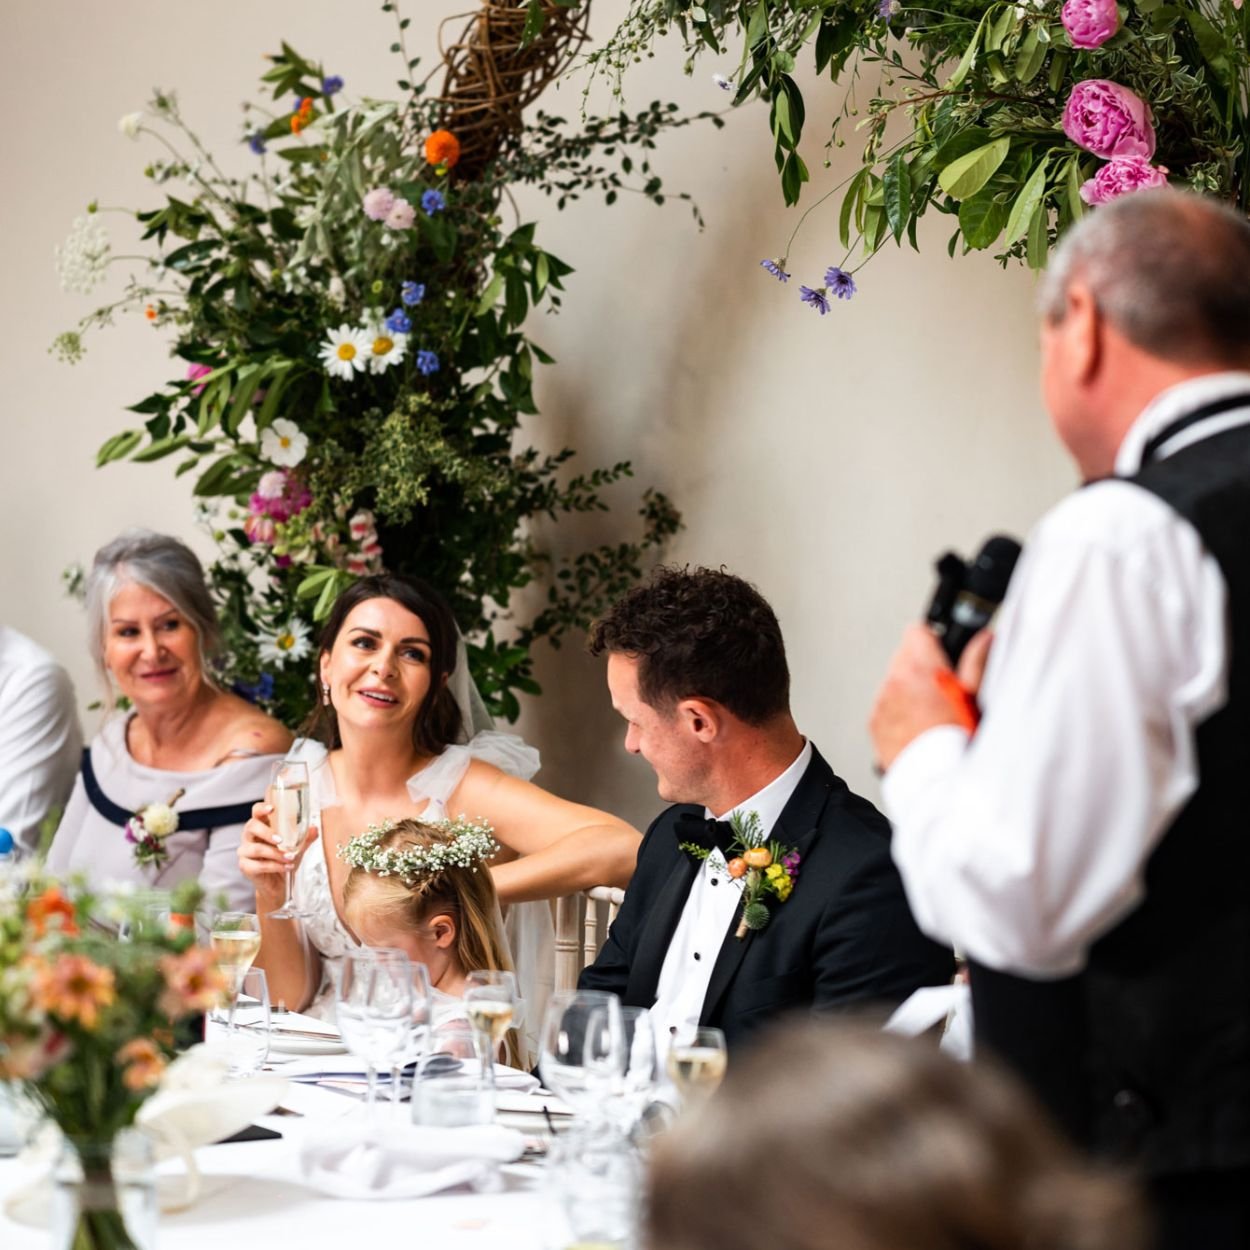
[[73, 988], [442, 148], [305, 107], [50, 905], [297, 123], [150, 312], [193, 982], [144, 1063]]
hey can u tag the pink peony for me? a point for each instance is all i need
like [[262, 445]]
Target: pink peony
[[378, 203], [1120, 176], [1090, 23], [197, 371], [1109, 120], [401, 215]]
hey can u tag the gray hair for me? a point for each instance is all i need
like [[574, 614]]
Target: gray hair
[[1169, 269], [164, 565]]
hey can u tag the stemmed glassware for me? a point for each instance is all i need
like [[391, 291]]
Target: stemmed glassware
[[489, 1004], [696, 1063], [374, 1006], [422, 1015], [288, 793], [563, 1048], [235, 941], [626, 1064]]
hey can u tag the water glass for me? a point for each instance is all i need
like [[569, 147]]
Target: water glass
[[563, 1046], [374, 1008], [596, 1180], [241, 1032], [626, 1062], [451, 1088]]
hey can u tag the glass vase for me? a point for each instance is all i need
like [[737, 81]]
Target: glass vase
[[105, 1194]]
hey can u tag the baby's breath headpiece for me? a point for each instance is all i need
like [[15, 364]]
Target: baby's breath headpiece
[[472, 843]]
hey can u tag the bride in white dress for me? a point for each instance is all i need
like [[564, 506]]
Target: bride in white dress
[[401, 747]]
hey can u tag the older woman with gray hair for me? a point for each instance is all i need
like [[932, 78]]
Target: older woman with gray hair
[[164, 790]]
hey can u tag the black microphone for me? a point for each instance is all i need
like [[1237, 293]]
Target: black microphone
[[968, 595]]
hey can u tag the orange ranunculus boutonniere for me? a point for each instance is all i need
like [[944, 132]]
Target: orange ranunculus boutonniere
[[442, 148]]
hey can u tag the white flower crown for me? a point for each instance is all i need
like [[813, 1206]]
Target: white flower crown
[[472, 844]]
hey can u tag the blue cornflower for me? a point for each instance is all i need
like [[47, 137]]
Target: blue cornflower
[[839, 282], [256, 142], [398, 322], [427, 363], [816, 299], [774, 267], [260, 692], [412, 293], [331, 85], [433, 202]]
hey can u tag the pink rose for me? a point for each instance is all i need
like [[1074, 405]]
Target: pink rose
[[1120, 176], [378, 203], [1109, 120], [1090, 23], [401, 215], [198, 371]]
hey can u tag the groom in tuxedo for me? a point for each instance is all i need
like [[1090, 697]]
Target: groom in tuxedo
[[697, 668]]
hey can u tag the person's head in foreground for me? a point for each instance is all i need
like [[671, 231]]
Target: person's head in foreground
[[1143, 293], [829, 1137], [426, 889], [697, 668]]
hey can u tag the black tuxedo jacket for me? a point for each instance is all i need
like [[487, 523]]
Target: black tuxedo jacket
[[844, 938]]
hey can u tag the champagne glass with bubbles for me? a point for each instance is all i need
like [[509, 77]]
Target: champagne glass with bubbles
[[489, 1004], [235, 941], [288, 794], [696, 1063]]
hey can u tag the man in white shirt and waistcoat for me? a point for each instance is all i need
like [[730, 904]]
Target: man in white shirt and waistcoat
[[1088, 846], [697, 668]]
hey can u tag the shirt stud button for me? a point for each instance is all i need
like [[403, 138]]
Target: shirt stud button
[[697, 955]]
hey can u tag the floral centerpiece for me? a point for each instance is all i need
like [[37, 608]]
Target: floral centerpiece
[[352, 363], [87, 1022], [1012, 118]]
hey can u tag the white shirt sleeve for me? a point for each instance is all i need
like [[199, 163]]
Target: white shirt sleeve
[[40, 747], [1026, 843]]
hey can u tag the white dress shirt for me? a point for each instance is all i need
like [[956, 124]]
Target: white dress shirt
[[710, 908], [1026, 843], [40, 741]]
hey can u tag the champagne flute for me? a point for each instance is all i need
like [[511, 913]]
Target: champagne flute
[[696, 1063], [489, 1005], [288, 793], [235, 941]]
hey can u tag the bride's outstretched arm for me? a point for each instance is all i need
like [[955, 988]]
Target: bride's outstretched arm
[[563, 847]]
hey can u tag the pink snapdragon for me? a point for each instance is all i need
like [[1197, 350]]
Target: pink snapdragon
[[378, 203], [1121, 176], [366, 558], [1090, 23], [1109, 120]]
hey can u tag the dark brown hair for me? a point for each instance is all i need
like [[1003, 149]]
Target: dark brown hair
[[700, 633], [438, 722], [836, 1137]]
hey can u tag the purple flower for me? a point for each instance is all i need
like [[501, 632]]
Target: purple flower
[[1090, 23], [816, 298], [427, 363], [791, 864], [261, 691], [839, 282], [432, 202], [1121, 176], [887, 9], [398, 322], [412, 293], [774, 267], [331, 85], [131, 834], [1109, 120], [256, 142]]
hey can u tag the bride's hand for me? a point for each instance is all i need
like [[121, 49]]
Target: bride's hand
[[261, 859]]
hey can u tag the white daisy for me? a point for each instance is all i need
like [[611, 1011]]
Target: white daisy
[[290, 643], [284, 443], [386, 347], [345, 352]]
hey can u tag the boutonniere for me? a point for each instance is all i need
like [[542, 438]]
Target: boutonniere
[[148, 828], [767, 870]]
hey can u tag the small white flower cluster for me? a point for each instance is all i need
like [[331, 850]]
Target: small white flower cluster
[[472, 843], [81, 262]]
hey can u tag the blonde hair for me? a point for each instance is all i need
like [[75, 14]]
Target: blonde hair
[[465, 894]]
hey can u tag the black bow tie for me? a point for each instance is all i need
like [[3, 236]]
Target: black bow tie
[[702, 832]]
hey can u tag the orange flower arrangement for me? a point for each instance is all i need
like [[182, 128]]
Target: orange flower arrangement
[[51, 905], [143, 1063], [442, 148], [74, 988], [193, 982]]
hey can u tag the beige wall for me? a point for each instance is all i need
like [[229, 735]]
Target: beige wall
[[827, 459]]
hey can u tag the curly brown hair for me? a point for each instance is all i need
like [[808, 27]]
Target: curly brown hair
[[700, 633]]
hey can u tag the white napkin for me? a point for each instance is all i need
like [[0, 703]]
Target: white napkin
[[934, 1003], [514, 1079], [406, 1162]]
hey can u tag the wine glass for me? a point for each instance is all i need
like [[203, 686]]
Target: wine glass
[[235, 941], [696, 1063], [489, 1005], [374, 1008], [288, 794], [422, 1011], [627, 1062], [562, 1046]]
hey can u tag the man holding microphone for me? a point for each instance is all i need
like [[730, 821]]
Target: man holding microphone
[[1088, 845]]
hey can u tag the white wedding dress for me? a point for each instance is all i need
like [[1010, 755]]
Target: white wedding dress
[[527, 926]]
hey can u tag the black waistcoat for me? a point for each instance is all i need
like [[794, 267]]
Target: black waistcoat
[[1145, 1055]]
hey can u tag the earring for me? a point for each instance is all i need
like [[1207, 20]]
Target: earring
[[325, 693]]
